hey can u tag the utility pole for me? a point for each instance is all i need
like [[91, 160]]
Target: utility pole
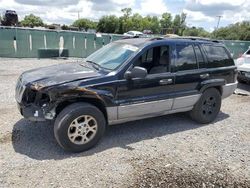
[[78, 15], [219, 17]]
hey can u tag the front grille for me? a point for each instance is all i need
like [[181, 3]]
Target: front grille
[[20, 88]]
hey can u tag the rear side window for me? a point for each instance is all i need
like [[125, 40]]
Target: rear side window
[[185, 57], [217, 56]]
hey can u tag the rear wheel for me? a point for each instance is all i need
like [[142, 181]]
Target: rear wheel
[[79, 127], [208, 106]]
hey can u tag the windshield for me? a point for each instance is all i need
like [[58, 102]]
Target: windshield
[[112, 55]]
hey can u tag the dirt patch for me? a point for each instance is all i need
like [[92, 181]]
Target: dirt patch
[[161, 174], [4, 111]]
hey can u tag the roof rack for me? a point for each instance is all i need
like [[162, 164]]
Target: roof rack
[[185, 37], [156, 38], [198, 38]]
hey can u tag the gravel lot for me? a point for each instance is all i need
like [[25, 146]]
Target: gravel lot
[[168, 151]]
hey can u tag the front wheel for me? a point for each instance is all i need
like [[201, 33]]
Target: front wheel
[[208, 106], [79, 127]]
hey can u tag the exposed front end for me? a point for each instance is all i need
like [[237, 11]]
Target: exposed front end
[[31, 103]]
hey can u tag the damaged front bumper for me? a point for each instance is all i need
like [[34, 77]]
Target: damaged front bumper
[[33, 112], [32, 103]]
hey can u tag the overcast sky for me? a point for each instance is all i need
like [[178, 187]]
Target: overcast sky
[[199, 12]]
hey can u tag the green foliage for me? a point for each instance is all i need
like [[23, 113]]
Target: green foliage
[[65, 27], [125, 22], [193, 31], [32, 21], [108, 24], [237, 31], [126, 12], [166, 24], [152, 23], [166, 20], [84, 24], [129, 21], [179, 23]]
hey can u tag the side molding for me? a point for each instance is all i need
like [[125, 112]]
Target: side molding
[[187, 101]]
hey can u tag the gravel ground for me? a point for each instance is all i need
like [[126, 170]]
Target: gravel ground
[[167, 151]]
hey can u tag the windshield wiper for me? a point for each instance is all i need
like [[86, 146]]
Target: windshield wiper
[[97, 66]]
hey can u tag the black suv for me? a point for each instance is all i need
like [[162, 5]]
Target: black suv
[[128, 80]]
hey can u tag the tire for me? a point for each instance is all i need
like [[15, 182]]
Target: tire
[[79, 127], [208, 106]]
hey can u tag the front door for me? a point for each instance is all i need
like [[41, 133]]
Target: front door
[[151, 95]]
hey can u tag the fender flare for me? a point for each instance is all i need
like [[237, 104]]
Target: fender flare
[[217, 83]]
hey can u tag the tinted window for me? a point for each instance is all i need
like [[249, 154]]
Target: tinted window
[[185, 57], [199, 57], [148, 56], [217, 56]]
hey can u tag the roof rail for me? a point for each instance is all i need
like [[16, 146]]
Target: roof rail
[[156, 38], [198, 38]]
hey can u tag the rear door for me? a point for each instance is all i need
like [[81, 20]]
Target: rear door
[[190, 71], [220, 64]]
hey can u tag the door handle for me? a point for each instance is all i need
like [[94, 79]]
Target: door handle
[[166, 81], [203, 76]]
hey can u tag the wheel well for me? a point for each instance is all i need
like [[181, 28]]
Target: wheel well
[[219, 88], [96, 102]]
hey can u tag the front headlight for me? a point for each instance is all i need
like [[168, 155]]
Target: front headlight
[[20, 88]]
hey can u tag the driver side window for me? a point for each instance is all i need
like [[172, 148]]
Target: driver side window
[[155, 60]]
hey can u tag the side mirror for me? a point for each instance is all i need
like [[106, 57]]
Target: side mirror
[[136, 72]]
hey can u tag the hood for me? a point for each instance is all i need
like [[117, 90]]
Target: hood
[[58, 74]]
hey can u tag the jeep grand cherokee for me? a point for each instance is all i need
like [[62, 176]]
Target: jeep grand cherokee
[[128, 80]]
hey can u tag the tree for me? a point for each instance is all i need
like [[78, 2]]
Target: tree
[[126, 12], [193, 31], [32, 21], [84, 23], [179, 23], [65, 27], [108, 24], [151, 23], [125, 21], [136, 22], [237, 31], [166, 20]]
